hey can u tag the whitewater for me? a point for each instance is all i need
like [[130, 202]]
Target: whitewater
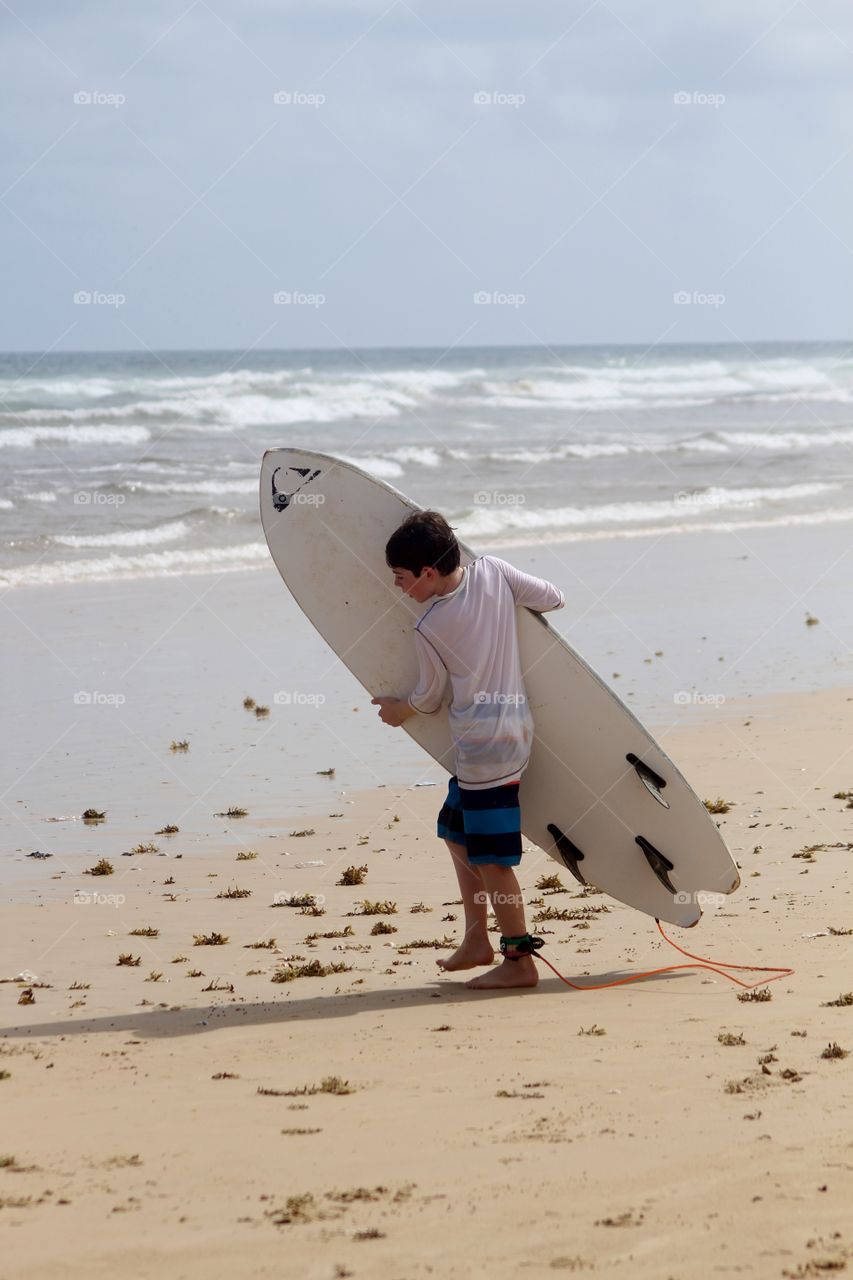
[[127, 464]]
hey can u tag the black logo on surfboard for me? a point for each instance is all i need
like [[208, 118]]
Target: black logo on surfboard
[[281, 500]]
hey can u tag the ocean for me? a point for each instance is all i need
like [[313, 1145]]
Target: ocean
[[121, 465]]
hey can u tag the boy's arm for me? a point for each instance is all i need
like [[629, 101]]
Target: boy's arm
[[432, 679], [529, 592], [425, 697]]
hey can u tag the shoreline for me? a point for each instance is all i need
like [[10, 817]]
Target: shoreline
[[117, 672], [253, 557], [224, 839]]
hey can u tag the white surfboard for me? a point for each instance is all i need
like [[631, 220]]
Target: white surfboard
[[599, 795]]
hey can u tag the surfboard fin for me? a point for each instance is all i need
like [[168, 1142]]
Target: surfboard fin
[[660, 864], [568, 851], [652, 781]]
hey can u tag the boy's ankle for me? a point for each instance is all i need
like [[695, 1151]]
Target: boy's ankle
[[520, 946]]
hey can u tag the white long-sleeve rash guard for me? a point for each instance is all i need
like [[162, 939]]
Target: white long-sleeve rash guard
[[469, 638]]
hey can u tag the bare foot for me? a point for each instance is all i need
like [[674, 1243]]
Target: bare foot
[[472, 954], [512, 973]]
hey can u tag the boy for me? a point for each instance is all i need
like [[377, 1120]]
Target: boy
[[468, 637]]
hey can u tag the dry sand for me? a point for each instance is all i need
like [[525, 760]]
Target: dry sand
[[167, 1129]]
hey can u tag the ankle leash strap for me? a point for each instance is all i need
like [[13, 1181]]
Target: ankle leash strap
[[524, 945]]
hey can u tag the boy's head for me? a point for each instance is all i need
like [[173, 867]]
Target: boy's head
[[422, 553]]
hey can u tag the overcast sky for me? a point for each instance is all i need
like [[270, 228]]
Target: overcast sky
[[578, 165]]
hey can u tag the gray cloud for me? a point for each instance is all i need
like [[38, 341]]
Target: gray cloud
[[399, 196]]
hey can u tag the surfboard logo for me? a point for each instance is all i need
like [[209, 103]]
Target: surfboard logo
[[281, 500]]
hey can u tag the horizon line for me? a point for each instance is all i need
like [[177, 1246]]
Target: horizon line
[[491, 346]]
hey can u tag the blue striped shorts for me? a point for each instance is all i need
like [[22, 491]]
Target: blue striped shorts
[[487, 823]]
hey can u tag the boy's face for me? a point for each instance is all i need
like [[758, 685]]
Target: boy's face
[[420, 588]]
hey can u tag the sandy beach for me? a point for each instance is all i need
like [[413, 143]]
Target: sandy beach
[[308, 1096]]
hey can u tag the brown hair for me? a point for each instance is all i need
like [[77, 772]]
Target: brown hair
[[423, 540]]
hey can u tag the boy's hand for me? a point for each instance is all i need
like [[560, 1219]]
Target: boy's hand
[[393, 711]]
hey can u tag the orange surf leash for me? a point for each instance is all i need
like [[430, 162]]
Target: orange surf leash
[[700, 962]]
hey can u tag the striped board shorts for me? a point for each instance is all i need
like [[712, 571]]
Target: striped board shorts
[[487, 823]]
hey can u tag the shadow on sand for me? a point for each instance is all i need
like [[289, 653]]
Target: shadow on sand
[[158, 1023]]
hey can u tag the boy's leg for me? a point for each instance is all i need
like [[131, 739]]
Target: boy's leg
[[492, 823], [503, 889], [476, 948]]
